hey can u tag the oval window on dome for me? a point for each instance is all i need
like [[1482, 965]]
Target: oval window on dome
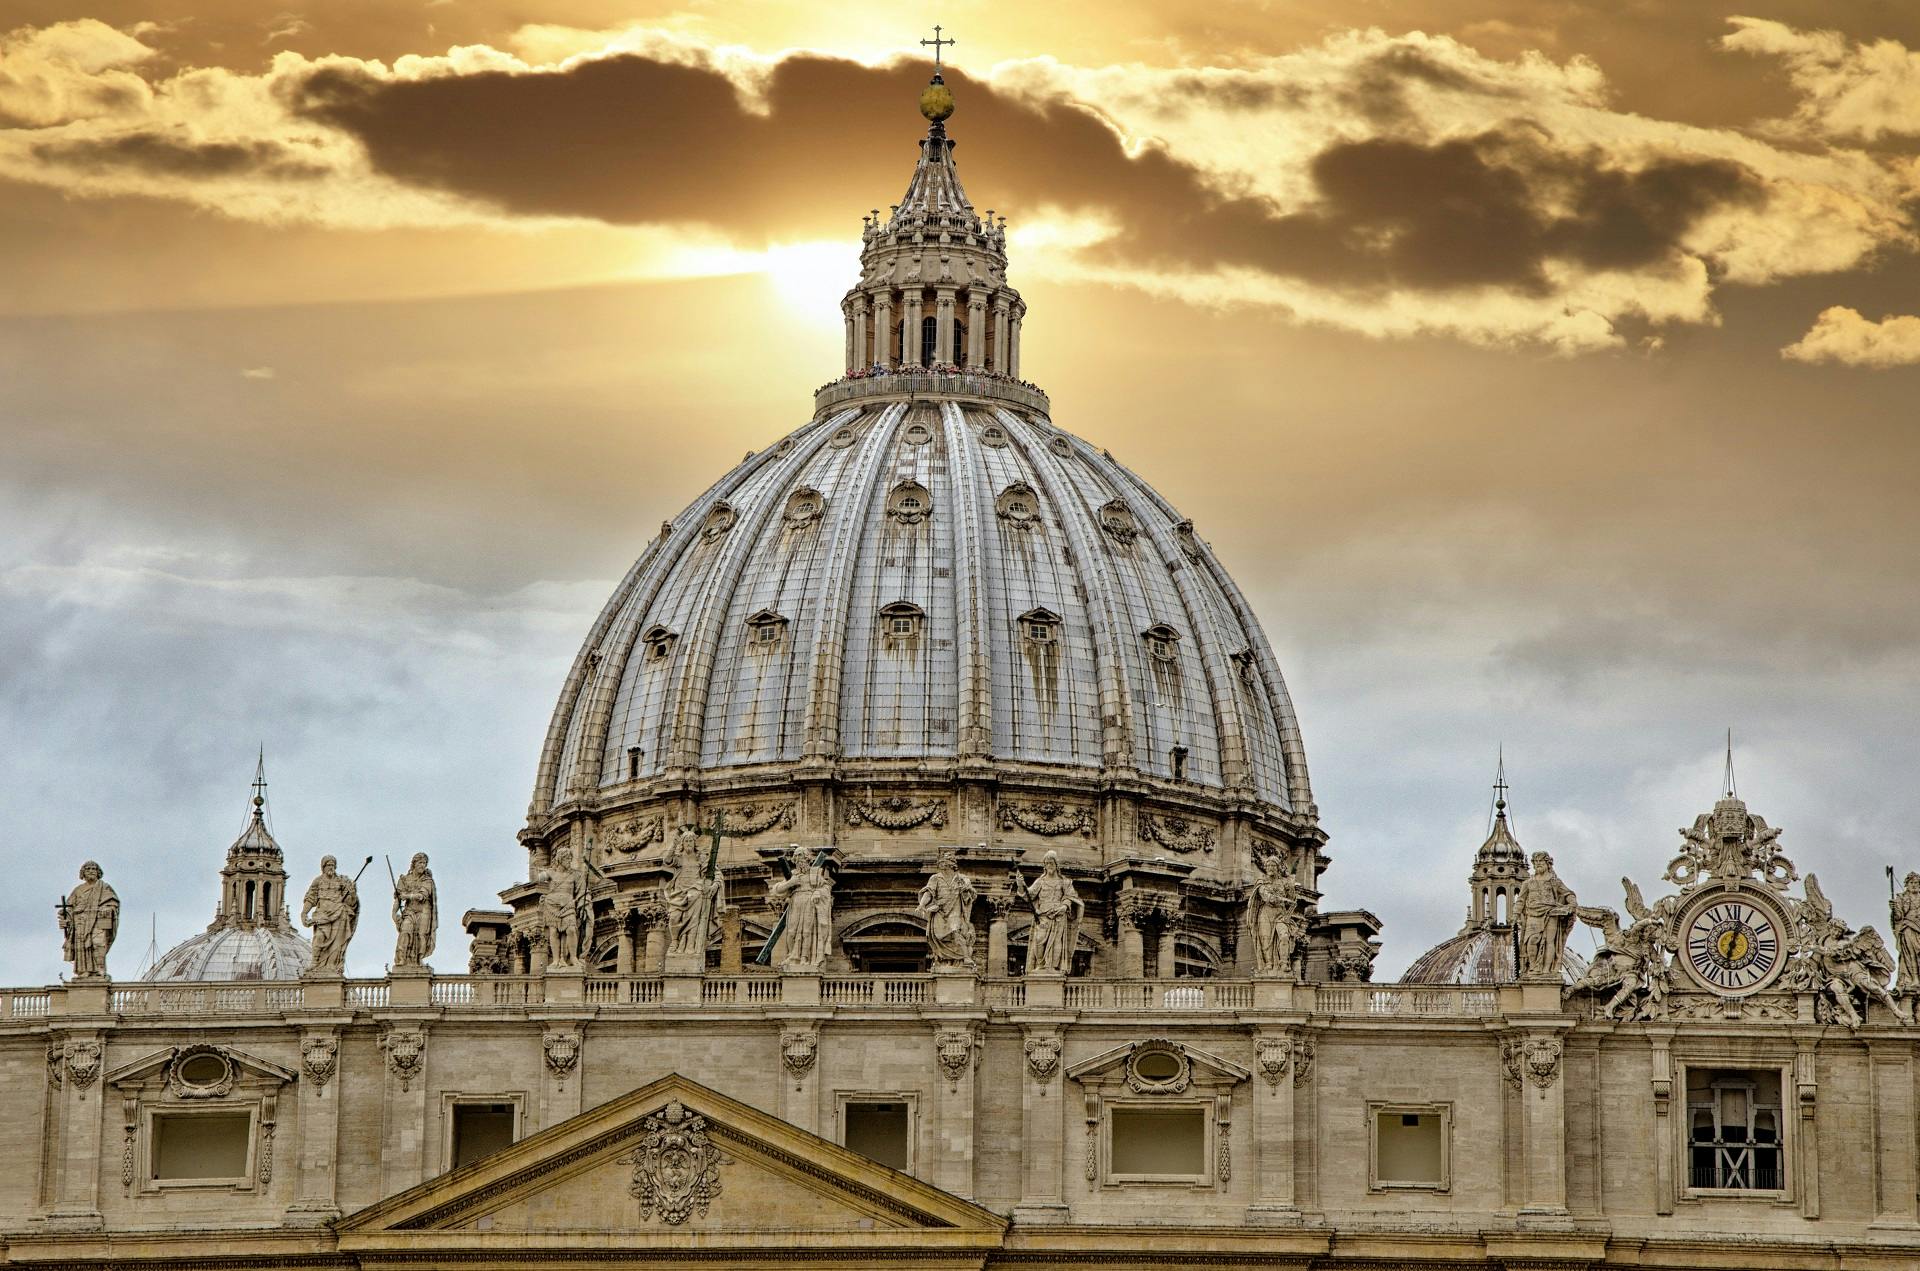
[[1018, 505], [718, 522], [1061, 446], [910, 503], [1116, 518], [841, 439], [918, 434], [805, 506], [993, 435]]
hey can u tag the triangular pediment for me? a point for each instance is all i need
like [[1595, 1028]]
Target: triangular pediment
[[1182, 1064], [210, 1078], [669, 1164]]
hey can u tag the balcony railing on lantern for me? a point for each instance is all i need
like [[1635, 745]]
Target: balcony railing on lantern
[[1408, 1000], [912, 383]]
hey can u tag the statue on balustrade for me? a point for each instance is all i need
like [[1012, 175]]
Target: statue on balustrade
[[1543, 908], [89, 920], [332, 910], [1273, 910], [1836, 962], [1905, 909], [1632, 960], [806, 895], [690, 899], [1057, 910], [416, 914], [562, 897], [946, 902]]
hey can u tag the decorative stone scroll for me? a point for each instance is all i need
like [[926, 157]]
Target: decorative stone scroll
[[676, 1167], [1049, 818], [1177, 833], [1302, 1059], [897, 813]]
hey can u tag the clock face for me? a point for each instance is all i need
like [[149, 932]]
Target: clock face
[[1733, 946]]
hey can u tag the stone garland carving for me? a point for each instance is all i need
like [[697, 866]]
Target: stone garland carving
[[634, 835], [897, 812], [181, 1088], [756, 819], [56, 1063], [562, 1047], [1176, 833], [676, 1167], [318, 1055], [1043, 1056], [83, 1062], [1273, 1056], [1302, 1059], [954, 1049], [798, 1049], [1224, 1137], [1535, 1059], [130, 1130], [268, 1110], [1048, 818], [1762, 1007], [406, 1049]]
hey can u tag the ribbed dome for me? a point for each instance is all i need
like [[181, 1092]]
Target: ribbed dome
[[933, 580], [236, 953], [1481, 956]]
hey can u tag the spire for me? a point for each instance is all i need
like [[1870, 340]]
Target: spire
[[934, 195], [1729, 788], [1500, 787], [260, 784]]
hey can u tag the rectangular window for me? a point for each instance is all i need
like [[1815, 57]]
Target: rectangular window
[[1409, 1145], [481, 1129], [201, 1146], [1734, 1130], [878, 1130], [1161, 1143]]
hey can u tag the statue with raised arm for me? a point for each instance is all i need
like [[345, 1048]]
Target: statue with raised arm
[[946, 902], [806, 894], [1544, 909], [89, 920], [1057, 910], [332, 910], [560, 913], [1905, 909], [416, 913], [1273, 910]]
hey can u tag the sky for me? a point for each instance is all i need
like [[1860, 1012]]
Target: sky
[[1545, 373]]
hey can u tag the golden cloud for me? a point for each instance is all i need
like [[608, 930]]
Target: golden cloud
[[1845, 336]]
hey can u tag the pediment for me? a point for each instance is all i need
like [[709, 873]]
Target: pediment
[[218, 1069], [1158, 1065], [670, 1163]]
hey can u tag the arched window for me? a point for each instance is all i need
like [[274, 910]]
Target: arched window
[[929, 339], [959, 343]]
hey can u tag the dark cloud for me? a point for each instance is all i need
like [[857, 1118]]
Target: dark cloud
[[630, 140], [162, 154]]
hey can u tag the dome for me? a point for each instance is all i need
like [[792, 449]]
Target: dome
[[252, 935], [930, 616]]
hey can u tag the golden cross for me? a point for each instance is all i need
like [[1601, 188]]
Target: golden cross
[[936, 42]]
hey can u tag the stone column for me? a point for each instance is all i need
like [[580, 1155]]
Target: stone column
[[730, 963], [317, 1155], [1013, 346], [1278, 1076], [1665, 1148], [956, 1046], [404, 1122], [997, 359], [943, 326], [654, 918], [862, 357], [851, 323], [882, 328], [1001, 904], [1043, 1124], [1165, 953], [910, 333], [79, 1101], [623, 956], [976, 331], [1543, 1117]]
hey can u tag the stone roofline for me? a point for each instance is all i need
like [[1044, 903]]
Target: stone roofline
[[906, 386]]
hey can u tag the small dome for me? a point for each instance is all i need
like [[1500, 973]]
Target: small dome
[[236, 953], [1481, 956]]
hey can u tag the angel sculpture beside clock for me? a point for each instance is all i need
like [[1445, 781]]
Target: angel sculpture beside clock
[[1735, 931]]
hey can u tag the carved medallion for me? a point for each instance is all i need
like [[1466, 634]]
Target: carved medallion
[[718, 522], [1043, 1056], [676, 1168], [563, 1051], [406, 1049], [317, 1058], [1302, 1060], [83, 1062], [634, 835], [1050, 818], [897, 812], [1116, 518], [199, 1072], [797, 1051], [755, 818], [954, 1049], [1176, 833], [1273, 1055], [1535, 1059]]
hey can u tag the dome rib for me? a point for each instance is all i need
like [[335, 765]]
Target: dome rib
[[1117, 749], [972, 642]]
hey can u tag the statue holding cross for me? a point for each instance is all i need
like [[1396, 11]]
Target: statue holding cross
[[693, 896]]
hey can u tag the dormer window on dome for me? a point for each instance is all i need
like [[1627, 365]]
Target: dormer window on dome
[[658, 642], [1116, 518], [1018, 505], [901, 620], [766, 629], [1040, 626], [909, 503], [1163, 642]]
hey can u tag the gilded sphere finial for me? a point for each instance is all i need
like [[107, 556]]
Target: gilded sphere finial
[[936, 101]]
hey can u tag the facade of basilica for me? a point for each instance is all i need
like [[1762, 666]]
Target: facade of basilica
[[922, 869]]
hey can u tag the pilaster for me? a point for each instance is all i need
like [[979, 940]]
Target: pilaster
[[1891, 1063], [956, 1047], [317, 1153], [80, 1102], [1275, 1091], [404, 1122], [1043, 1124]]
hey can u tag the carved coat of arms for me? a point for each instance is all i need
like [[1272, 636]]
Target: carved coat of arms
[[318, 1054], [1043, 1056], [676, 1168]]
